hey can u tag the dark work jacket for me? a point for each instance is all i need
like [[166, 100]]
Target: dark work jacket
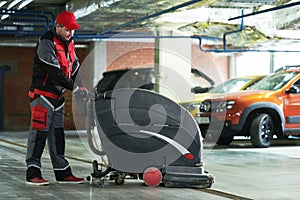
[[56, 66]]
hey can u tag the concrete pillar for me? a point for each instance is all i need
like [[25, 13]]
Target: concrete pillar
[[232, 65], [99, 60], [173, 64], [271, 62]]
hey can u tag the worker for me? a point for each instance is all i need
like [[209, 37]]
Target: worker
[[55, 68]]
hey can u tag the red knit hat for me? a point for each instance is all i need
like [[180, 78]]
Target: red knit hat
[[67, 19]]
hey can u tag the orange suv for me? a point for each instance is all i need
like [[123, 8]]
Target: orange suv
[[269, 108]]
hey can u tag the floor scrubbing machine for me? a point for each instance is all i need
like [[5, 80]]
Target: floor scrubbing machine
[[146, 136]]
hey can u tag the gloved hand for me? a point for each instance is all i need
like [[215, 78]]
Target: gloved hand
[[81, 97]]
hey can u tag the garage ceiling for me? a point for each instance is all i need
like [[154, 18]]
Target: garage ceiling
[[209, 18]]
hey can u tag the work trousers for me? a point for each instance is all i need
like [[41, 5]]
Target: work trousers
[[47, 124]]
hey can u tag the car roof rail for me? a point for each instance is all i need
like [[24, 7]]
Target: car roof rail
[[286, 67]]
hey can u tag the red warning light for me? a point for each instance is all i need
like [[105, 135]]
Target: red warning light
[[189, 156]]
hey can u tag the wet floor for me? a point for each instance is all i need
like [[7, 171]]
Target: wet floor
[[240, 171]]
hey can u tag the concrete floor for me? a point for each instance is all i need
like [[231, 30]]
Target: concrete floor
[[241, 172]]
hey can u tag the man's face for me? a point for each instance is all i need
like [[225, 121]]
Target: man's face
[[64, 33]]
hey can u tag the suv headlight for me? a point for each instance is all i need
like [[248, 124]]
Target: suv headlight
[[205, 106], [230, 104], [225, 105]]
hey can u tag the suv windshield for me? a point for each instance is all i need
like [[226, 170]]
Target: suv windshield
[[231, 85], [274, 81]]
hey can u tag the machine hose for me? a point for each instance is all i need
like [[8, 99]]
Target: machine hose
[[89, 122]]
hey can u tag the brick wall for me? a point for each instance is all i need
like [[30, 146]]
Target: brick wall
[[122, 55], [213, 65]]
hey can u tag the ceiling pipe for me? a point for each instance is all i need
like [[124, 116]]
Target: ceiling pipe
[[267, 10], [200, 38], [151, 16], [225, 50], [235, 31], [109, 34]]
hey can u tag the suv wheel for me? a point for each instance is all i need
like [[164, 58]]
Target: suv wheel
[[261, 130]]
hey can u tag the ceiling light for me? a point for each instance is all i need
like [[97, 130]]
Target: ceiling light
[[2, 3], [13, 3], [86, 10], [3, 17], [24, 3]]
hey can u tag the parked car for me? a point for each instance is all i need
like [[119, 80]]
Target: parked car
[[236, 84], [145, 78], [231, 85], [283, 68], [268, 108]]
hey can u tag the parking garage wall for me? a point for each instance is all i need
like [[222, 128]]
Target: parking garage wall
[[16, 110], [122, 55], [15, 84]]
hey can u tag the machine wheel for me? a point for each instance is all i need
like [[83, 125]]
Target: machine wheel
[[262, 130], [224, 140], [152, 176], [119, 180]]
